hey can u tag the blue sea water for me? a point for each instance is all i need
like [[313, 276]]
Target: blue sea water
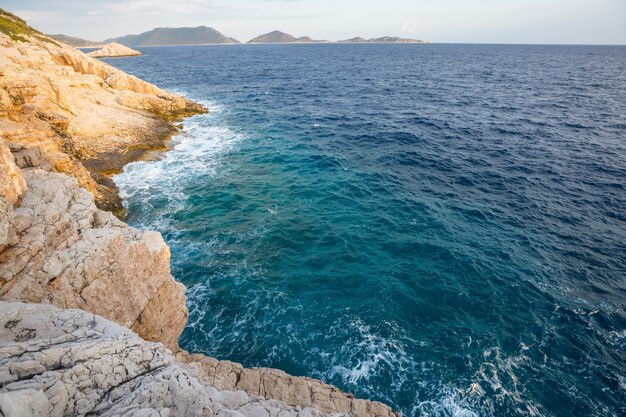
[[438, 227]]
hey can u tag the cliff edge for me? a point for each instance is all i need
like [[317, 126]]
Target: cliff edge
[[61, 249]]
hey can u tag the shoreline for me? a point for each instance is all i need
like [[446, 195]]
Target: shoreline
[[105, 166], [69, 123]]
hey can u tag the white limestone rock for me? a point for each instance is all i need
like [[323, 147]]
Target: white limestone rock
[[71, 363], [113, 49], [71, 254]]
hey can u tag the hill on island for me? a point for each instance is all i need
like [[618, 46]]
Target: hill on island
[[384, 39], [75, 42], [282, 37], [201, 35]]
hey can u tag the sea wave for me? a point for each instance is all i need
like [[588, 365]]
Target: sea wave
[[163, 185]]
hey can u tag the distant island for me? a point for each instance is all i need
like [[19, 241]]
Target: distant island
[[75, 42], [201, 35], [281, 37], [384, 39], [204, 35]]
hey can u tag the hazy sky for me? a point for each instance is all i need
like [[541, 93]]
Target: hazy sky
[[498, 21]]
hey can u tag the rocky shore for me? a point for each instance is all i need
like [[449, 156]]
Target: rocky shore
[[90, 315], [113, 49], [62, 111]]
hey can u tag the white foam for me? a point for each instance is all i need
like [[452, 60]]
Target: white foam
[[449, 404], [367, 355], [196, 153], [497, 373]]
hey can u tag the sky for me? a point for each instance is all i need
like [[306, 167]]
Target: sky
[[462, 21]]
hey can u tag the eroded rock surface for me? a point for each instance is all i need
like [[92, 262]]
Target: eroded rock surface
[[63, 111], [113, 49], [277, 384], [69, 253], [12, 187], [71, 363]]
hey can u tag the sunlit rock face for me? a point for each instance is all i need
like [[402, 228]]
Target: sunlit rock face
[[61, 110], [113, 49], [59, 248]]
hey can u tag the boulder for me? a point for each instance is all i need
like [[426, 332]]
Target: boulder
[[113, 49]]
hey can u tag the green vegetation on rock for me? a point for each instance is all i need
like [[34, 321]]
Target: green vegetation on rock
[[17, 29]]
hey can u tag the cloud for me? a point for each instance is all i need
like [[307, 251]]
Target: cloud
[[408, 27]]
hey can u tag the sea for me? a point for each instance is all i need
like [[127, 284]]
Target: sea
[[438, 227]]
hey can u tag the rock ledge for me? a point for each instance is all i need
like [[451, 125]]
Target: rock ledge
[[71, 363]]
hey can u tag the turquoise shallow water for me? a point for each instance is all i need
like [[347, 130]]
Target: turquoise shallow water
[[439, 227]]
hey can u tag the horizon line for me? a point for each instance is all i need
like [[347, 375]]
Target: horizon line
[[424, 42]]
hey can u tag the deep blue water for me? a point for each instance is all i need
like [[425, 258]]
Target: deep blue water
[[439, 227]]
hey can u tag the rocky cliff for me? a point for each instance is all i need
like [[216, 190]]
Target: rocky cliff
[[66, 122], [63, 111], [61, 249]]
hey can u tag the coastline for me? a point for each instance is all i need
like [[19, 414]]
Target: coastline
[[80, 48], [106, 165], [60, 145]]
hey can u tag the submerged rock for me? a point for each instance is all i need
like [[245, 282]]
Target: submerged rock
[[113, 49]]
